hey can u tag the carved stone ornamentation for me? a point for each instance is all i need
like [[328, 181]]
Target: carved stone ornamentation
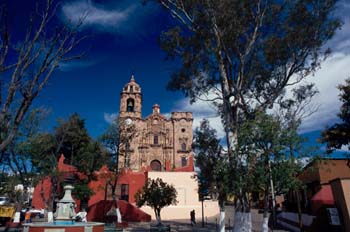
[[159, 139]]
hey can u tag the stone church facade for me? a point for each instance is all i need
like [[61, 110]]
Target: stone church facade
[[159, 143]]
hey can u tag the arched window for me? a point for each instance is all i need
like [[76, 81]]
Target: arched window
[[183, 147], [155, 139], [156, 165], [130, 103]]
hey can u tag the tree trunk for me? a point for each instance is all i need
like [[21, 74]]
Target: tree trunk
[[265, 226], [50, 216], [299, 211], [222, 218], [273, 199], [119, 215], [117, 210], [157, 213], [243, 217]]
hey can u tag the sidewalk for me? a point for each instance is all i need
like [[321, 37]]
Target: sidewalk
[[181, 226], [175, 226], [211, 225]]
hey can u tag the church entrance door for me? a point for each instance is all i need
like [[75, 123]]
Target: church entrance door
[[156, 165]]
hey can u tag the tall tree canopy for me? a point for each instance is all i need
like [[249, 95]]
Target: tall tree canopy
[[247, 53], [338, 135]]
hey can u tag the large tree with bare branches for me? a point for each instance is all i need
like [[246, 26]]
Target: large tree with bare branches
[[27, 64], [248, 52]]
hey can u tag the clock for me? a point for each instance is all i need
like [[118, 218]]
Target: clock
[[128, 121]]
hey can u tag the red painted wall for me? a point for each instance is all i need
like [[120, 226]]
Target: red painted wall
[[135, 180], [130, 212]]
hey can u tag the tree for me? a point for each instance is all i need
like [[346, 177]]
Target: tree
[[338, 135], [248, 52], [156, 194], [91, 158], [116, 139], [70, 138], [26, 65], [16, 156], [213, 177], [265, 141]]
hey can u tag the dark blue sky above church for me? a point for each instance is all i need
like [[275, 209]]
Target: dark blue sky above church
[[124, 41]]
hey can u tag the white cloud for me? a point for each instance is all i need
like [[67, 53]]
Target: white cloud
[[94, 15], [333, 72], [202, 109], [110, 117]]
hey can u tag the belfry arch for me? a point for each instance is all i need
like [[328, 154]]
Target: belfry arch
[[130, 105]]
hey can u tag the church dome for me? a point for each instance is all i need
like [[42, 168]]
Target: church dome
[[132, 86]]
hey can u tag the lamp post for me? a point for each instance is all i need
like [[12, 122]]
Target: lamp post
[[202, 211]]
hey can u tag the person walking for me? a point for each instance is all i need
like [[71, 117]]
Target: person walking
[[193, 217]]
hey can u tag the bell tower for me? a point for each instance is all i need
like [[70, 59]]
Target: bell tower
[[131, 100]]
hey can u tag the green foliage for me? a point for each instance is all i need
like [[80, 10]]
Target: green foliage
[[213, 178], [6, 185], [248, 52], [110, 140], [72, 136], [16, 156], [338, 135], [266, 143], [156, 194], [71, 139], [258, 44], [43, 153], [81, 190]]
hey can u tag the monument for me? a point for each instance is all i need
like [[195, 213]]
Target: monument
[[65, 212], [64, 218]]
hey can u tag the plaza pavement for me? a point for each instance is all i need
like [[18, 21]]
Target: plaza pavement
[[210, 225], [185, 225]]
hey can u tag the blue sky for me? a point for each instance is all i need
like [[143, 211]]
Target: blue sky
[[125, 41]]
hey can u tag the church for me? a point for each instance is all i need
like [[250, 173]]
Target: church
[[160, 147], [159, 143]]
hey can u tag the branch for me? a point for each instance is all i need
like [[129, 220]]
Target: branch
[[175, 11]]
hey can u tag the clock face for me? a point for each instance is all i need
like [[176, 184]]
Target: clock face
[[128, 121]]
